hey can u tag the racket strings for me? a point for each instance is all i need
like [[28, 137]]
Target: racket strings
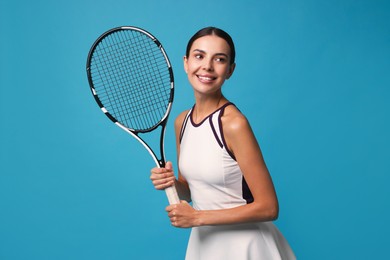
[[131, 79]]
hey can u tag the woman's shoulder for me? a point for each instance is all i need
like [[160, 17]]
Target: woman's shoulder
[[233, 119], [235, 126]]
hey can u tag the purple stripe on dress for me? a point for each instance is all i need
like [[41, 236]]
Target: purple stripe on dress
[[221, 130], [192, 120], [214, 132], [183, 126], [246, 192], [200, 123]]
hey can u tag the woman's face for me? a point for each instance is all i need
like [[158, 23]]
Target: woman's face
[[208, 64]]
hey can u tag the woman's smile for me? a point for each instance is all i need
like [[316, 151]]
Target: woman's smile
[[206, 78]]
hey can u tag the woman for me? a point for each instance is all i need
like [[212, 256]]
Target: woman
[[221, 167]]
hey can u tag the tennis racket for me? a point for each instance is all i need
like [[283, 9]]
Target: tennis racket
[[131, 79]]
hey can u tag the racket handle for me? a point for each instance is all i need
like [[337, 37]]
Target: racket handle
[[172, 195]]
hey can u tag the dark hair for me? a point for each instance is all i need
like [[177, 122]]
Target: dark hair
[[213, 31]]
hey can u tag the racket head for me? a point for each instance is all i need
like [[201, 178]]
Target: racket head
[[131, 78]]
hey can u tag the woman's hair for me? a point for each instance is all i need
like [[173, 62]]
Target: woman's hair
[[217, 32]]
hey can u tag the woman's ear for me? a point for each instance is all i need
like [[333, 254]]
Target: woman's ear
[[185, 64], [231, 70]]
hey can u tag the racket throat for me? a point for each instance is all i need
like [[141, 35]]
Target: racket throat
[[161, 163]]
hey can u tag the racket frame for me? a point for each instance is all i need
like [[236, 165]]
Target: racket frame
[[171, 192]]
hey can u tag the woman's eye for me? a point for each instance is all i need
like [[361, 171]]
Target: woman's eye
[[220, 59]]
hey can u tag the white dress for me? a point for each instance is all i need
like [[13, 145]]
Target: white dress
[[216, 182]]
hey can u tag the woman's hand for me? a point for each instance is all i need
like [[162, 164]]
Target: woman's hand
[[183, 215], [162, 178]]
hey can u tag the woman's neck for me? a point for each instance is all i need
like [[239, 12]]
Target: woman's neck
[[205, 106]]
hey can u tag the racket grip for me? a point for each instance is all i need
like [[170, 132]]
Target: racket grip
[[172, 195]]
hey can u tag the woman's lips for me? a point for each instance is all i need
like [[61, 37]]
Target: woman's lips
[[205, 78]]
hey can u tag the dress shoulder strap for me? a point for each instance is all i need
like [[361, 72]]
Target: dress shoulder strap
[[184, 124], [216, 125]]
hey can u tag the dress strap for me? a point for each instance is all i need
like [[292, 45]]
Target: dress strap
[[221, 129], [216, 124], [215, 127], [184, 124]]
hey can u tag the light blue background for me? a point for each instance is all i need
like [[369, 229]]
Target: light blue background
[[312, 78]]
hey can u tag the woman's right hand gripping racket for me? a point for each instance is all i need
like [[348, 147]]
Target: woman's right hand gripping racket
[[131, 79]]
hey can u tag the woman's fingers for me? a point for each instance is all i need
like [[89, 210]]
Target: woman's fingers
[[160, 185], [181, 215], [162, 178]]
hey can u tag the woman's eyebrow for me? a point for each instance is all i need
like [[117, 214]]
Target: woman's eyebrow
[[198, 50], [216, 54]]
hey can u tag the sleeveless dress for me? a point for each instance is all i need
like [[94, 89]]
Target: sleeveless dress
[[216, 182]]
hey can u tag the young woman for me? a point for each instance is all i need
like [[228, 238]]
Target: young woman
[[221, 167]]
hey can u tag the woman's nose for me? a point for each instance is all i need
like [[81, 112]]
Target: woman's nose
[[207, 64]]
